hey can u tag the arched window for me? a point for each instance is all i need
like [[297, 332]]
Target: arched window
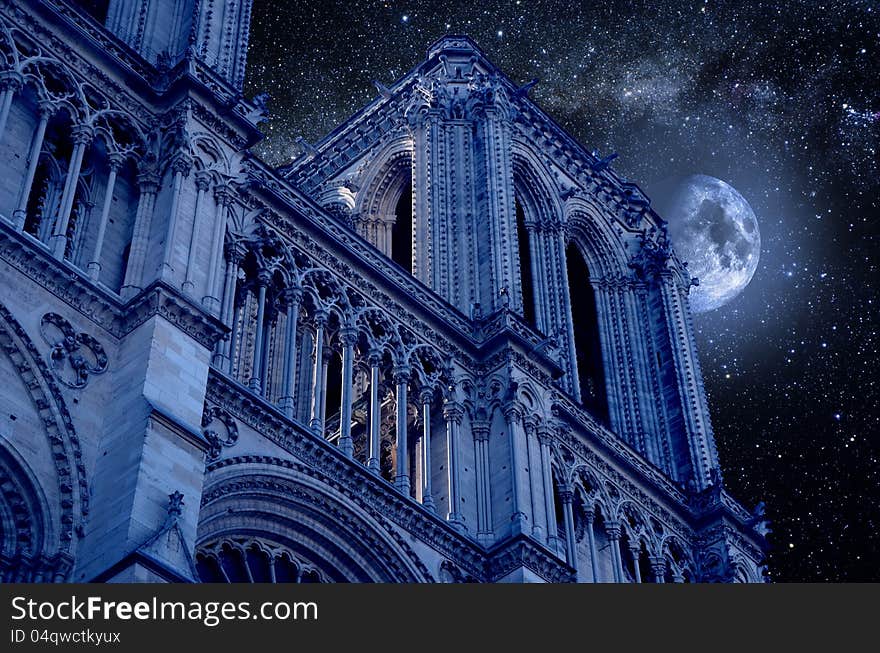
[[525, 266], [585, 322], [401, 231]]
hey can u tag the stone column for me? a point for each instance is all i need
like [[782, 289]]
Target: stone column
[[19, 215], [148, 186], [574, 383], [347, 338], [375, 358], [480, 430], [316, 423], [326, 355], [292, 300], [223, 197], [537, 285], [426, 397], [635, 549], [590, 516], [401, 480], [452, 413], [10, 84], [658, 568], [203, 182], [180, 168], [545, 440], [263, 279], [612, 529], [566, 496], [693, 401], [94, 266], [531, 434], [512, 417], [224, 353], [82, 136]]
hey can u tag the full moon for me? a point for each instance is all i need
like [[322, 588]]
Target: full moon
[[714, 229]]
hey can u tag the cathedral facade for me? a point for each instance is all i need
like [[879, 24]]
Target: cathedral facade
[[445, 344]]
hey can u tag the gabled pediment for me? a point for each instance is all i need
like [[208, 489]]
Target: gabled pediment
[[457, 81]]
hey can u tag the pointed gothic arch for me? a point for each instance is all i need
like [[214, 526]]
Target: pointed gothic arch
[[587, 337], [383, 210]]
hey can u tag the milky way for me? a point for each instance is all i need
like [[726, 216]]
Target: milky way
[[780, 100]]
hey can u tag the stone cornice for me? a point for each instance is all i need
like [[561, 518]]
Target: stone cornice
[[161, 299], [100, 306], [523, 552]]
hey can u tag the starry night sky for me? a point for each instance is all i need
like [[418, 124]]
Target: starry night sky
[[779, 99]]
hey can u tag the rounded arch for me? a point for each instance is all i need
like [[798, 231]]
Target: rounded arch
[[283, 502]]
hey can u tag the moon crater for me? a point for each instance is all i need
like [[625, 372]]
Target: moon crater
[[715, 230]]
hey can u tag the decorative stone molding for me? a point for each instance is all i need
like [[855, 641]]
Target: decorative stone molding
[[212, 418], [73, 485], [523, 552], [68, 351], [105, 309]]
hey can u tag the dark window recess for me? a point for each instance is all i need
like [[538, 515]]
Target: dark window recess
[[591, 372], [525, 266], [401, 232]]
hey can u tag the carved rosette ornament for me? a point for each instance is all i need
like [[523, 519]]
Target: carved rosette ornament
[[219, 429], [73, 356]]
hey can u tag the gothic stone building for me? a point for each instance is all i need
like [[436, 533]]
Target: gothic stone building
[[446, 343]]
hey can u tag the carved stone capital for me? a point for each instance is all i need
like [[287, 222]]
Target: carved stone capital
[[513, 413], [82, 134], [11, 80], [545, 435], [374, 357], [321, 317], [453, 412], [589, 515], [116, 160], [612, 529], [264, 278], [235, 251], [402, 373], [426, 396], [480, 429], [203, 180], [348, 336], [148, 182], [658, 566], [182, 164], [223, 194], [291, 297]]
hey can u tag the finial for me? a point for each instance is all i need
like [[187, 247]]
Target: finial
[[175, 505]]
